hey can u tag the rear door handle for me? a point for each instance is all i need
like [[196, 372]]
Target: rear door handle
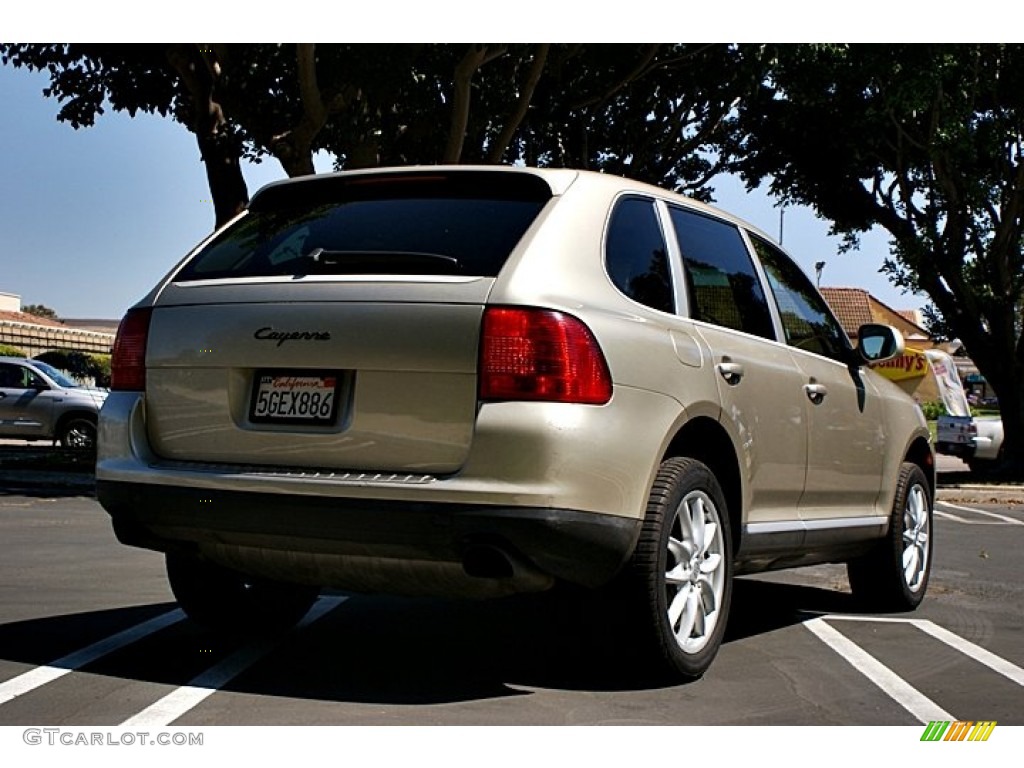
[[815, 392], [731, 372]]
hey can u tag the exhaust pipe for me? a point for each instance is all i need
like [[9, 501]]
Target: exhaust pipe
[[489, 562]]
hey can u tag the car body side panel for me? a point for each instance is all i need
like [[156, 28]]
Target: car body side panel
[[847, 439], [26, 412], [763, 411]]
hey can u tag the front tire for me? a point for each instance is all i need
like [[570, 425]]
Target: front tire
[[679, 580], [894, 575], [226, 601]]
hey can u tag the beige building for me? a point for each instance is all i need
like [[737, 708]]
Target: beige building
[[35, 335]]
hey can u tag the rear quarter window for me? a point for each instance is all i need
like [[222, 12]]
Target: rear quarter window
[[636, 256]]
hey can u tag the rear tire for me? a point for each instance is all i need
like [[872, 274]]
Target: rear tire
[[894, 575], [678, 584], [78, 432], [233, 603]]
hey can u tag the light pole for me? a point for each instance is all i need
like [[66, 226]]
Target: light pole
[[819, 267]]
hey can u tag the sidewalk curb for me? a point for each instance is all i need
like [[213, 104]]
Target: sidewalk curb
[[981, 494]]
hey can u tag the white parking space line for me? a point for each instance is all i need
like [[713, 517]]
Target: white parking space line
[[942, 507], [996, 663], [181, 700], [908, 697], [40, 676], [976, 652]]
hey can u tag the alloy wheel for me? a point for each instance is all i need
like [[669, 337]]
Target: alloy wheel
[[695, 571]]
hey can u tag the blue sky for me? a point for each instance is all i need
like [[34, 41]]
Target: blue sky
[[91, 219]]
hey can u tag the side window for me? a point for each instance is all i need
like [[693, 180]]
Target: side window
[[10, 376], [16, 377], [806, 318], [636, 256], [724, 288]]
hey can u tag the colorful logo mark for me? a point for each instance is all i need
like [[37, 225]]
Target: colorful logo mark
[[944, 730]]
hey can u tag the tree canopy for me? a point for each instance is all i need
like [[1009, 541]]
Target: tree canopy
[[922, 140], [40, 310], [925, 141], [659, 113]]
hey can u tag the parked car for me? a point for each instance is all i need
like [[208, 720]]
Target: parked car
[[38, 402], [478, 381], [978, 440]]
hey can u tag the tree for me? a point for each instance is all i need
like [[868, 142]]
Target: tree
[[40, 310], [660, 113], [925, 141], [171, 80], [81, 365]]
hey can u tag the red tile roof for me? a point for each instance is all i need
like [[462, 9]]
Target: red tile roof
[[852, 307], [855, 306], [25, 317]]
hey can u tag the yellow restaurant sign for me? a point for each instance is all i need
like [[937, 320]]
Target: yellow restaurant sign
[[912, 364]]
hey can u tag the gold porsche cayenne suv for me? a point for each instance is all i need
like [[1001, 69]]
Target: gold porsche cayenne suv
[[479, 381]]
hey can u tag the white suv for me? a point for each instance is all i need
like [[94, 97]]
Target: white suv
[[479, 381]]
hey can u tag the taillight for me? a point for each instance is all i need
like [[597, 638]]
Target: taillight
[[128, 363], [539, 354]]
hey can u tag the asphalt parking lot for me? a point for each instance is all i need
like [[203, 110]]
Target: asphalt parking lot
[[90, 635]]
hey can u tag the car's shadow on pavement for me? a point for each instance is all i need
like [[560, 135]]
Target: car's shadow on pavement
[[408, 651]]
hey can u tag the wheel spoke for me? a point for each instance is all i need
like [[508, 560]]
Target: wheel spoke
[[689, 617], [697, 524], [916, 508], [675, 610], [685, 525], [911, 561], [699, 617], [679, 575], [679, 549], [709, 600], [710, 564], [710, 532]]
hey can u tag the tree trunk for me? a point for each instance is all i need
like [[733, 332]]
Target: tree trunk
[[218, 147], [1005, 376], [294, 148], [228, 189], [476, 56]]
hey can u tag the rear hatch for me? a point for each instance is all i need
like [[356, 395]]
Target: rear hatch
[[336, 324]]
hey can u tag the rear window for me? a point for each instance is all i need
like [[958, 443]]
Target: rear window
[[443, 224]]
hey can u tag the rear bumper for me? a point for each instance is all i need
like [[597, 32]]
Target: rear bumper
[[371, 545], [548, 492], [962, 450]]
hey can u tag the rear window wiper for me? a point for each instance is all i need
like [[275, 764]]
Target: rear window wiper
[[357, 262]]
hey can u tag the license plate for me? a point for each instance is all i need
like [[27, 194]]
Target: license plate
[[296, 397]]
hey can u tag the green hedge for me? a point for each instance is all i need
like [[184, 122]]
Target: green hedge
[[933, 409], [6, 350], [81, 365]]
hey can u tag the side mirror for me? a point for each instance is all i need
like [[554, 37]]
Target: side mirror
[[878, 343]]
